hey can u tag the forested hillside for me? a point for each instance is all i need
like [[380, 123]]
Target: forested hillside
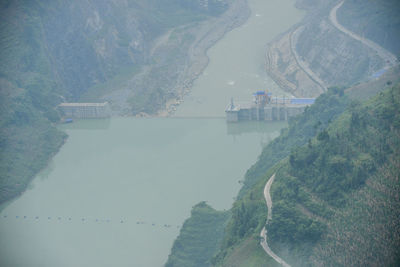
[[315, 118], [55, 51], [336, 191], [205, 226], [249, 212], [336, 198], [250, 209], [336, 181], [341, 187], [78, 44]]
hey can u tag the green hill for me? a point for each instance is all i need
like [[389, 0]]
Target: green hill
[[336, 199], [336, 191], [249, 212], [205, 225]]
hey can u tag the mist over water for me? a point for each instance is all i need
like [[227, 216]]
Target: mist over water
[[236, 67], [98, 201], [119, 190]]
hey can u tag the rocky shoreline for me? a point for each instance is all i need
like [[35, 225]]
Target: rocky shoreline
[[178, 58], [314, 55], [209, 33]]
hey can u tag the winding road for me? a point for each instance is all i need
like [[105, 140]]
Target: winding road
[[390, 61], [263, 233], [389, 58], [302, 64]]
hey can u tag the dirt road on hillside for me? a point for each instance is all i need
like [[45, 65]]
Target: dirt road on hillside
[[389, 58], [263, 233]]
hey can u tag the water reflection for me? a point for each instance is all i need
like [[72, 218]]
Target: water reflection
[[265, 132], [246, 127]]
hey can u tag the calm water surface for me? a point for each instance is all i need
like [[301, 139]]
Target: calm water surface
[[97, 202], [236, 68], [119, 190]]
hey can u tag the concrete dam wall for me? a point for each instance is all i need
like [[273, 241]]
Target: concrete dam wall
[[85, 110], [266, 108]]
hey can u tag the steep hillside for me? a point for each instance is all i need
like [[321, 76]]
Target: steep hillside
[[334, 194], [336, 182], [27, 138], [316, 54], [249, 212], [79, 44], [300, 131], [199, 238], [326, 108], [336, 201]]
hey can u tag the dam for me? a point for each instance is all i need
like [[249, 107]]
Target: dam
[[266, 108], [151, 170], [85, 110]]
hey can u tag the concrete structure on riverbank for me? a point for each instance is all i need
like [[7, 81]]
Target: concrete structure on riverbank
[[85, 110], [266, 108]]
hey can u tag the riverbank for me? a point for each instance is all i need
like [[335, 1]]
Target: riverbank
[[318, 53], [207, 34], [105, 180], [176, 60], [20, 168]]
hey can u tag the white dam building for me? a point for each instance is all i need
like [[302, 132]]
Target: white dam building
[[267, 108], [85, 110]]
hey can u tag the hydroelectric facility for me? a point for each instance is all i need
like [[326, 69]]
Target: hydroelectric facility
[[266, 108], [85, 110]]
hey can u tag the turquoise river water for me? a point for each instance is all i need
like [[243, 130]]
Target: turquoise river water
[[119, 190]]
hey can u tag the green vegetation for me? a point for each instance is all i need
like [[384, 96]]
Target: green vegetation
[[331, 171], [329, 185], [248, 253], [199, 238], [365, 90], [366, 232], [315, 118], [249, 212], [27, 140], [336, 191], [52, 51], [249, 215], [28, 96]]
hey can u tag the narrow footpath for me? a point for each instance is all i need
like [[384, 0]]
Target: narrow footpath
[[302, 64], [263, 233], [389, 58]]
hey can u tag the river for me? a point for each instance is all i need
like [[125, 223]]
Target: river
[[236, 67], [119, 190]]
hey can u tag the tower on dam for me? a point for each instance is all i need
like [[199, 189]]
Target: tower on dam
[[266, 108]]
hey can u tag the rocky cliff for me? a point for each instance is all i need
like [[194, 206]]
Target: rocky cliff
[[80, 44], [316, 54]]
